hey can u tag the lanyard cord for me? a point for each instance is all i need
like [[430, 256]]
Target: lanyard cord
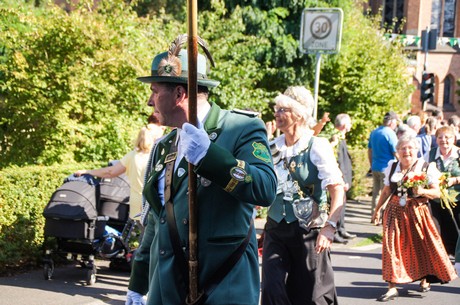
[[402, 190]]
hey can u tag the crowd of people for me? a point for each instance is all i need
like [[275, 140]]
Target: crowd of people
[[240, 163], [420, 220]]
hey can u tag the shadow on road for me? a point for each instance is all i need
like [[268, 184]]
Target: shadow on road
[[70, 280]]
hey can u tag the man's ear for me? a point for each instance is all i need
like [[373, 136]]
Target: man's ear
[[180, 93]]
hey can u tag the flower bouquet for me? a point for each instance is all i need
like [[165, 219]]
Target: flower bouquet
[[414, 180], [407, 182], [448, 197]]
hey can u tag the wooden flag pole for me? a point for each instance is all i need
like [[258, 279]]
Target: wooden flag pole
[[192, 52]]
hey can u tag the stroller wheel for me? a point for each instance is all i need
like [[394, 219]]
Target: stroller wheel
[[48, 270], [91, 276]]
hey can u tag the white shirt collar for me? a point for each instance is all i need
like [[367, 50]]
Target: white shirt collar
[[453, 155], [203, 111], [289, 151]]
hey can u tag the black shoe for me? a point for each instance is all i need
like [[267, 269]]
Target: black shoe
[[347, 235], [388, 296], [339, 240]]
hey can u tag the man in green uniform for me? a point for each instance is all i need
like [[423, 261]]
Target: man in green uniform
[[235, 172]]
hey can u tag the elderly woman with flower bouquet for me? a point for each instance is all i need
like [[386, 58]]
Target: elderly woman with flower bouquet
[[412, 249], [445, 211]]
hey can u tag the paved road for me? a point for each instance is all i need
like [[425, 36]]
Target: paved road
[[357, 276]]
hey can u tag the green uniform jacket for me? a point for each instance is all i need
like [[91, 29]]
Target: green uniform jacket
[[226, 194]]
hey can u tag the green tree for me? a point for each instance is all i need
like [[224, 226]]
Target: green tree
[[68, 88], [160, 8], [366, 79], [255, 44], [67, 80]]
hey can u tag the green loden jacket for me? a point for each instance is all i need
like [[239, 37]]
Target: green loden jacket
[[227, 192]]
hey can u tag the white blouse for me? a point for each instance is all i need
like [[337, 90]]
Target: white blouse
[[433, 174], [321, 155], [454, 155]]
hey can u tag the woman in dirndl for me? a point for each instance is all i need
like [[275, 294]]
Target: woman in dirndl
[[412, 249], [296, 261], [447, 159]]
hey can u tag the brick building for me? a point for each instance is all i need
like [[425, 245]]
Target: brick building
[[412, 17]]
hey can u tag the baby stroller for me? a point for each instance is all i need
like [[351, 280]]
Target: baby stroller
[[114, 200], [114, 203], [73, 218]]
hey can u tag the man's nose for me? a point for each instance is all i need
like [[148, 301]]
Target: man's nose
[[150, 102]]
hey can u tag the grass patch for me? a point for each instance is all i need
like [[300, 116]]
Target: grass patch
[[374, 239]]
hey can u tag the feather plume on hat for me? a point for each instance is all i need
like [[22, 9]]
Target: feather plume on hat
[[204, 47], [171, 65]]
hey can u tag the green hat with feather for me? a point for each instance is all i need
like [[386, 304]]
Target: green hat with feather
[[172, 66]]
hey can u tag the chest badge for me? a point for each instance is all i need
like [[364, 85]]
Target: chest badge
[[205, 182], [292, 166], [180, 172], [158, 167], [213, 136]]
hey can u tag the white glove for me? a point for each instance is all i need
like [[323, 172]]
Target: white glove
[[134, 298], [194, 143], [457, 267]]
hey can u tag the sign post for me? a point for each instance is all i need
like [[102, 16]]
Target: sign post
[[320, 33]]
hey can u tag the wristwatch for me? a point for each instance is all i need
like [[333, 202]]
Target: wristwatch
[[332, 224]]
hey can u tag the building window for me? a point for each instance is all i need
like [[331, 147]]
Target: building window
[[443, 17], [393, 14], [447, 104]]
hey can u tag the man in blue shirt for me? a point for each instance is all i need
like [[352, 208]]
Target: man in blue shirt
[[382, 149]]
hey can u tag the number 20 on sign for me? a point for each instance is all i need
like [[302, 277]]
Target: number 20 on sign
[[321, 30]]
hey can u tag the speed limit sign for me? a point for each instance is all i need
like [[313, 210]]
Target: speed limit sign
[[321, 30]]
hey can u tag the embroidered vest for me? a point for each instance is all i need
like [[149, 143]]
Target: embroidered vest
[[306, 173], [453, 168]]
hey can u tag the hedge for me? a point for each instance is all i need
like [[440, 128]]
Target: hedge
[[25, 191]]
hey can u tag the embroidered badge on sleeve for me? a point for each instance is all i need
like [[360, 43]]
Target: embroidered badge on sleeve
[[261, 152]]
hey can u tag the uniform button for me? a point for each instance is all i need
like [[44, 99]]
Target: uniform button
[[162, 252], [162, 220], [185, 221]]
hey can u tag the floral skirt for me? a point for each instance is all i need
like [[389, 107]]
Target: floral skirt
[[412, 247]]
